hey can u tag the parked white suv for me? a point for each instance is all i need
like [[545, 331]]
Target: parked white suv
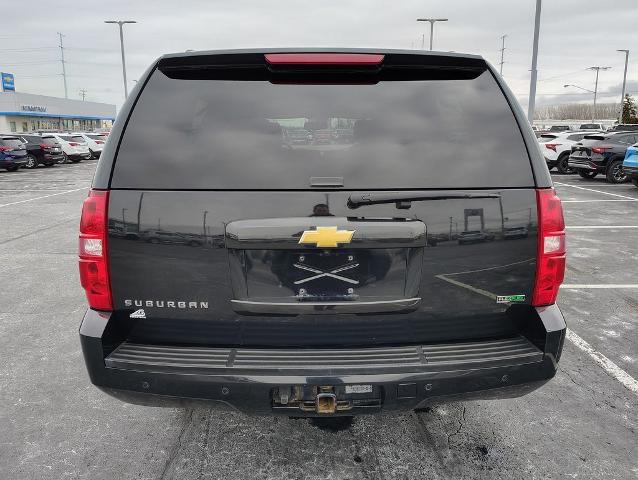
[[74, 147], [95, 141], [556, 147]]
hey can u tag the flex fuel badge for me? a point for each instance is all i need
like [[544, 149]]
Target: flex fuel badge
[[510, 298]]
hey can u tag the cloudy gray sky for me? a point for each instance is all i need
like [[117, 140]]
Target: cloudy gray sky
[[575, 34]]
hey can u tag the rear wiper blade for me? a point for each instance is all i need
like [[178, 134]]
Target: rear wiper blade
[[404, 200]]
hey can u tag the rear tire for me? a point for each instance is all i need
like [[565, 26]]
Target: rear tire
[[635, 181], [32, 162], [615, 172], [65, 158], [563, 166], [92, 154], [587, 173]]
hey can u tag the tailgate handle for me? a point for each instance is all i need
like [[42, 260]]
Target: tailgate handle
[[403, 200]]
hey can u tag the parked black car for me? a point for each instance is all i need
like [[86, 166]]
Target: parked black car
[[41, 150], [324, 297], [13, 154], [625, 127], [602, 153]]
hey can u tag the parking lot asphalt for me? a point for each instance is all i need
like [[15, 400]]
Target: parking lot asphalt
[[55, 425]]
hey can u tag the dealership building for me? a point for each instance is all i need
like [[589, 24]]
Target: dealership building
[[25, 112]]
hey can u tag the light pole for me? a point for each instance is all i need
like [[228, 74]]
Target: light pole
[[593, 115], [597, 69], [121, 23], [432, 22], [624, 84], [532, 82]]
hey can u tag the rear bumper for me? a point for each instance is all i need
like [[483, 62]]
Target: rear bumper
[[631, 171], [52, 158], [584, 164], [79, 156], [395, 378], [13, 162]]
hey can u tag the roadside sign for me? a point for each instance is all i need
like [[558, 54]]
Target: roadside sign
[[8, 84]]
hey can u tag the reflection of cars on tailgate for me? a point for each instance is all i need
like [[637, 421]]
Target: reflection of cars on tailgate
[[515, 232], [159, 236], [297, 136], [475, 236]]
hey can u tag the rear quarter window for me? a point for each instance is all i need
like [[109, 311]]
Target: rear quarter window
[[240, 134], [49, 140], [12, 142]]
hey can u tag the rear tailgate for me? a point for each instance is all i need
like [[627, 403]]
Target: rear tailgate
[[583, 149], [223, 233]]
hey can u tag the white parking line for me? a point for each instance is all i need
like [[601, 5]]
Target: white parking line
[[581, 286], [594, 227], [596, 191], [610, 367], [44, 196]]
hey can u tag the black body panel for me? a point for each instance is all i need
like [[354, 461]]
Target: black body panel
[[455, 305], [400, 378], [280, 236]]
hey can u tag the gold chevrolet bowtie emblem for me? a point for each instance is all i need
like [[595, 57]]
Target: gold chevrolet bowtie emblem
[[326, 237]]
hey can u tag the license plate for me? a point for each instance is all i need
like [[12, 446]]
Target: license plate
[[358, 388]]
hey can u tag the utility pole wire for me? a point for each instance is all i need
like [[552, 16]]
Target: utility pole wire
[[66, 92], [597, 70], [502, 53]]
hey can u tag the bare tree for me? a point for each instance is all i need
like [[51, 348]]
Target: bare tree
[[577, 111]]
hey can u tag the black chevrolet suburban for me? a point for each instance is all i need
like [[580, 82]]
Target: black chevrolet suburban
[[308, 285]]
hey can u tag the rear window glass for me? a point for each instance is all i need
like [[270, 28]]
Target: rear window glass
[[243, 134], [49, 140], [546, 138], [586, 126], [72, 138], [97, 137], [12, 142], [576, 138]]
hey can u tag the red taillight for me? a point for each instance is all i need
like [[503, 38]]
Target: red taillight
[[552, 146], [73, 144], [323, 58], [99, 142], [600, 150], [4, 149], [44, 146], [94, 272], [550, 267]]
